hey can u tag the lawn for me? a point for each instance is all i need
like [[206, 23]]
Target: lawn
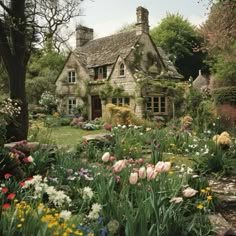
[[67, 135], [64, 135]]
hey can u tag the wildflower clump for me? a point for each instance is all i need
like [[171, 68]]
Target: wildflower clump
[[187, 123], [223, 140]]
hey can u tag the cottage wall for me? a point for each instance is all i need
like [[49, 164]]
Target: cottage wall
[[128, 83], [66, 90], [144, 55]]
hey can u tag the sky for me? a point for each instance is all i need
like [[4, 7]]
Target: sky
[[107, 16]]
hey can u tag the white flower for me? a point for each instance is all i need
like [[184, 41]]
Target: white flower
[[94, 213], [189, 170], [106, 157], [87, 193], [65, 214], [30, 159]]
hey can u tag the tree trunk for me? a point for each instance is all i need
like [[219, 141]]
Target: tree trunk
[[15, 54], [18, 130]]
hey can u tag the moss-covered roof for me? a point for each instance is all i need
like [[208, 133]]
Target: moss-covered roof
[[104, 51]]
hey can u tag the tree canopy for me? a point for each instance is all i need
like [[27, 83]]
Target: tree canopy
[[179, 39], [21, 23], [219, 32]]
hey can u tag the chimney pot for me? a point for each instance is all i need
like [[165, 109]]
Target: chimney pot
[[142, 25], [83, 35]]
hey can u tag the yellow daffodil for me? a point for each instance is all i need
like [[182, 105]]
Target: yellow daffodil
[[200, 206]]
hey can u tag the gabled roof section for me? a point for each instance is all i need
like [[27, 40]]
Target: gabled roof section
[[168, 64], [105, 51]]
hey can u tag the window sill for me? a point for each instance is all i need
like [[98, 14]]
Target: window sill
[[121, 76]]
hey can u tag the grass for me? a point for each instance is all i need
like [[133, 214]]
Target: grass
[[64, 135]]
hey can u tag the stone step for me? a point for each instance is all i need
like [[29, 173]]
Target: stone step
[[221, 225]]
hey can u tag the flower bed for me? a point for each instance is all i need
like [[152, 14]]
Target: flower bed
[[109, 189]]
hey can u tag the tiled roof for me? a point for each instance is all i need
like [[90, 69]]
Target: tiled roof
[[104, 51]]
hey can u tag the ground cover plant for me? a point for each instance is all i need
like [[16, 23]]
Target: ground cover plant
[[128, 183]]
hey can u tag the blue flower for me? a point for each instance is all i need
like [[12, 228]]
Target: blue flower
[[103, 231]]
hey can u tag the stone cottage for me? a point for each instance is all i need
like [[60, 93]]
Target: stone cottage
[[126, 69]]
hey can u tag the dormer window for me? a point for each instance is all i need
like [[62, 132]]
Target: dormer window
[[71, 77], [100, 72], [122, 69]]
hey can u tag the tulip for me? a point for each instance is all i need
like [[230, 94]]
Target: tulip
[[140, 161], [112, 158], [106, 157], [176, 199], [6, 206], [11, 196], [151, 173], [28, 159], [162, 166], [189, 192], [119, 165], [142, 173], [133, 178], [4, 190], [7, 176]]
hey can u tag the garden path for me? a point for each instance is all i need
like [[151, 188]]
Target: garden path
[[225, 189]]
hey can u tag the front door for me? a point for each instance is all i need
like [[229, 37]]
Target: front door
[[96, 107]]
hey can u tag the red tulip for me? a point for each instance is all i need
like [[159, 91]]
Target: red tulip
[[4, 190], [11, 196], [7, 176], [6, 206]]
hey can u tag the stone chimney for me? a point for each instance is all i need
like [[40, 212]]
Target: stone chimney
[[83, 35], [142, 25]]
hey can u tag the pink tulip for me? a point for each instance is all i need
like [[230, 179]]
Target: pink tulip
[[142, 173], [189, 192], [106, 157], [133, 178], [162, 166], [151, 173], [176, 199], [119, 165], [112, 158], [140, 161]]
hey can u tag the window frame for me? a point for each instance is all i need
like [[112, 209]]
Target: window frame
[[121, 101], [157, 104], [72, 79], [122, 69], [100, 72], [71, 106]]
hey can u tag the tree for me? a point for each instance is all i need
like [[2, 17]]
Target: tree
[[42, 72], [219, 32], [179, 39], [220, 28], [19, 25]]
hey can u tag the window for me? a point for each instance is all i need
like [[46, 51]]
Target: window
[[156, 104], [120, 101], [71, 105], [122, 69], [100, 72], [71, 76]]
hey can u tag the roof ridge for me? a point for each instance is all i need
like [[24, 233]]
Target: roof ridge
[[112, 35]]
